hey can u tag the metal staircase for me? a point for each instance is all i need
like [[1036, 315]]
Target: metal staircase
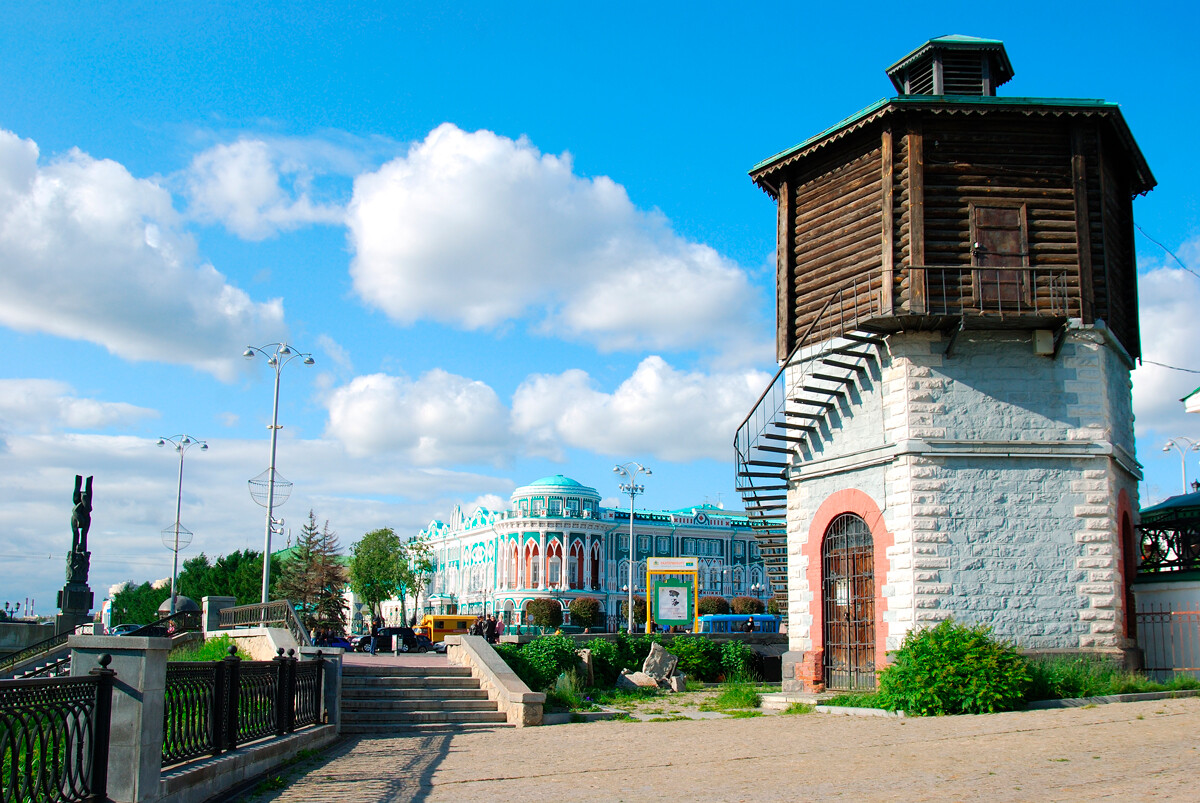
[[801, 407]]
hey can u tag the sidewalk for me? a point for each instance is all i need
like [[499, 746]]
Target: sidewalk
[[1134, 751]]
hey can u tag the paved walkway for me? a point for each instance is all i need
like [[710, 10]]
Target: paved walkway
[[1120, 752]]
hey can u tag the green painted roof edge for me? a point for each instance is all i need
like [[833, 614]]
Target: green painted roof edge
[[956, 41], [945, 100]]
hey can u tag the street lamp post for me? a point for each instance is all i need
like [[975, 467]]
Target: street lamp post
[[1177, 444], [281, 356], [181, 443], [630, 471]]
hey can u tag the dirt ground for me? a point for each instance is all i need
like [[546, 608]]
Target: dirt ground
[[1126, 752]]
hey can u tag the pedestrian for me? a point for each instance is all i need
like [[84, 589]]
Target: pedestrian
[[374, 633], [489, 629], [499, 628], [749, 628]]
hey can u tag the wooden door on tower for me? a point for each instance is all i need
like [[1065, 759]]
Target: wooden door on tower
[[848, 563], [1000, 240]]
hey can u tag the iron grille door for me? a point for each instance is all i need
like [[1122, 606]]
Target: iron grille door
[[848, 558]]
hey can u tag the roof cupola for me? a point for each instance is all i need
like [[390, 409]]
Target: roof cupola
[[953, 65]]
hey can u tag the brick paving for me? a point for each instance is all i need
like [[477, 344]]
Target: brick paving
[[1125, 752]]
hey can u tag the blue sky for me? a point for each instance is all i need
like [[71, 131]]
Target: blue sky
[[518, 239]]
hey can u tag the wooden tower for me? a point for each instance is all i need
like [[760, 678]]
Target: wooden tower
[[950, 431]]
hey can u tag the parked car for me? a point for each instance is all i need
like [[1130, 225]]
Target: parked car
[[408, 641], [125, 629]]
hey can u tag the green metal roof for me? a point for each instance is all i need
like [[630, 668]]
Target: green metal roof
[[558, 480], [957, 41], [964, 103], [1177, 507]]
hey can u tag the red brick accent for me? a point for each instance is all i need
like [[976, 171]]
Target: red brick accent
[[1127, 550], [850, 500]]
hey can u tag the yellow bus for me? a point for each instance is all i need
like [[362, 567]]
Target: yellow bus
[[437, 626]]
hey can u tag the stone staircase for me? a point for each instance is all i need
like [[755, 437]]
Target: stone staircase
[[389, 699]]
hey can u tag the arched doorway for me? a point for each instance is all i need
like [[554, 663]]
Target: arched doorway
[[848, 591]]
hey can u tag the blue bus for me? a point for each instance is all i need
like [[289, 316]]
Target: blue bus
[[736, 623]]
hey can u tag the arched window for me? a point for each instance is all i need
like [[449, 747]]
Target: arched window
[[512, 567], [553, 564], [533, 574], [575, 566], [596, 563], [739, 581]]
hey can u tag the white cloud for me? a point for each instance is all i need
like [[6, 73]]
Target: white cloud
[[335, 352], [475, 229], [92, 253], [242, 186], [42, 405], [1168, 299], [660, 411], [440, 418]]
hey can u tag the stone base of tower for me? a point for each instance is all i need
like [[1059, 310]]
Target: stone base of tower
[[995, 486]]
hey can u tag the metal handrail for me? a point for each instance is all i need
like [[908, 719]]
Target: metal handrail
[[278, 612], [43, 647], [179, 622]]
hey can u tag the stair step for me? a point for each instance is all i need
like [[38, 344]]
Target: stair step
[[775, 449], [845, 380], [785, 438], [384, 709], [826, 391], [410, 717], [775, 475], [808, 416], [418, 727], [849, 366], [383, 670], [769, 463], [743, 490], [414, 694], [874, 340], [379, 684], [852, 351], [824, 405]]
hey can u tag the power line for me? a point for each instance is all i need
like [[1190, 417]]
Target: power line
[[1172, 367], [1168, 250]]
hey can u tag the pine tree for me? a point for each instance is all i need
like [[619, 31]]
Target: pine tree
[[300, 578], [331, 572]]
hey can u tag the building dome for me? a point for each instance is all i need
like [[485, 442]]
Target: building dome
[[556, 484], [182, 604]]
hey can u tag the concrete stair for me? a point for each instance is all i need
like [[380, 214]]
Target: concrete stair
[[391, 699]]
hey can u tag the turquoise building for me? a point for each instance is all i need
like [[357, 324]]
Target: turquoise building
[[557, 541]]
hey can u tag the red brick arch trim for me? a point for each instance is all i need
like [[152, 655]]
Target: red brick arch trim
[[1127, 553], [860, 504]]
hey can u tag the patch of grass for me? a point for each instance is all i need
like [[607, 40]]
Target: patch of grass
[[622, 698], [666, 719], [272, 784], [1058, 677], [744, 714], [857, 700], [733, 696], [798, 708], [623, 717]]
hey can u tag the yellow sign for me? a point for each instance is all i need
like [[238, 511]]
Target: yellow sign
[[673, 564]]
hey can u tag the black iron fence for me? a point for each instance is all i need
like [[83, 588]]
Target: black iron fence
[[175, 624], [44, 647], [54, 737], [214, 706], [1170, 640]]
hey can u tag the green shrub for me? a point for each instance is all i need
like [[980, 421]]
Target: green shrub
[[737, 659], [773, 606], [954, 669], [512, 655], [548, 657], [567, 692], [712, 606], [214, 649], [544, 612], [605, 661], [734, 695], [585, 612], [747, 605], [856, 700], [699, 657]]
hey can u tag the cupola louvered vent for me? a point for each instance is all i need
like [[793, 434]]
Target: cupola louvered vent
[[952, 65]]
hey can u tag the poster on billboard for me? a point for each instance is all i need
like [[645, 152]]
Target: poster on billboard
[[673, 603]]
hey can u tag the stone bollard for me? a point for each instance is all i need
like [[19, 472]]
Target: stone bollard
[[136, 734], [211, 616]]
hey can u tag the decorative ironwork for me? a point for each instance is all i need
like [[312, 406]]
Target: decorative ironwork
[[216, 706], [181, 622], [1170, 640], [848, 571], [307, 697], [1169, 546], [279, 612], [54, 737]]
